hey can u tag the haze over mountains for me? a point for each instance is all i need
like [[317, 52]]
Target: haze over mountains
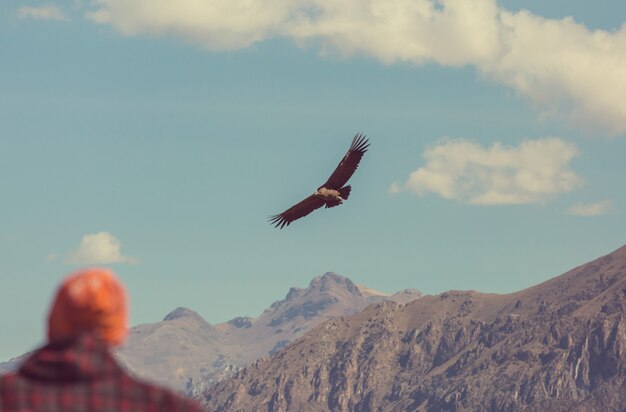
[[558, 346]]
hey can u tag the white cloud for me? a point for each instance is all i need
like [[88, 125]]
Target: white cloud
[[41, 13], [99, 248], [591, 209], [395, 188], [560, 66], [462, 32], [216, 24], [467, 172], [564, 69], [391, 30]]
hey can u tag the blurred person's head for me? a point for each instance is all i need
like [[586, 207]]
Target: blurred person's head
[[91, 301]]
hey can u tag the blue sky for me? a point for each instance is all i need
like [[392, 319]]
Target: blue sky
[[157, 141]]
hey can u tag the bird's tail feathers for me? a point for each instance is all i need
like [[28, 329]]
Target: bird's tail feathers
[[344, 192]]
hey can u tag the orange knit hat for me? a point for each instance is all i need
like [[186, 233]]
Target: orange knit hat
[[92, 301]]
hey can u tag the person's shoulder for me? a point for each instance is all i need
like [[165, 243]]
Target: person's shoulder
[[9, 378], [12, 382]]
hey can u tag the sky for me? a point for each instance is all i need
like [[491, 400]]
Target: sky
[[155, 138]]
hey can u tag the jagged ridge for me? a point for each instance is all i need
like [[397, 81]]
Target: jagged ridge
[[560, 345]]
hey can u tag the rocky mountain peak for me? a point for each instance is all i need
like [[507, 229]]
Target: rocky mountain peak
[[331, 281], [320, 287], [182, 312], [293, 293], [241, 322], [328, 295], [410, 291]]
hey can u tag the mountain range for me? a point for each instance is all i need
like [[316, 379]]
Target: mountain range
[[557, 346], [186, 353]]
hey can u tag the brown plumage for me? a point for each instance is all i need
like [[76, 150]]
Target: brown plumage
[[333, 192]]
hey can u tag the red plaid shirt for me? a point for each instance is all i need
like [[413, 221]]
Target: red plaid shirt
[[81, 375]]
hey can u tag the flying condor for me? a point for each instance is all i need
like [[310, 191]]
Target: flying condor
[[333, 192]]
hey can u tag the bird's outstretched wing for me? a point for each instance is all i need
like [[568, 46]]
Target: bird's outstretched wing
[[296, 211], [349, 163]]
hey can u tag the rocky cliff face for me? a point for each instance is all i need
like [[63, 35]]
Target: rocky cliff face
[[560, 345]]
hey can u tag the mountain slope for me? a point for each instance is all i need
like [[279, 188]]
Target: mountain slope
[[181, 347], [327, 296], [560, 345], [185, 352]]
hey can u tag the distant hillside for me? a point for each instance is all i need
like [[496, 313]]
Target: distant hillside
[[557, 346], [185, 352]]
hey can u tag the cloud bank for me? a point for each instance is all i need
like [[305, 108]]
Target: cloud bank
[[561, 67], [464, 171], [99, 248], [591, 209], [41, 13]]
